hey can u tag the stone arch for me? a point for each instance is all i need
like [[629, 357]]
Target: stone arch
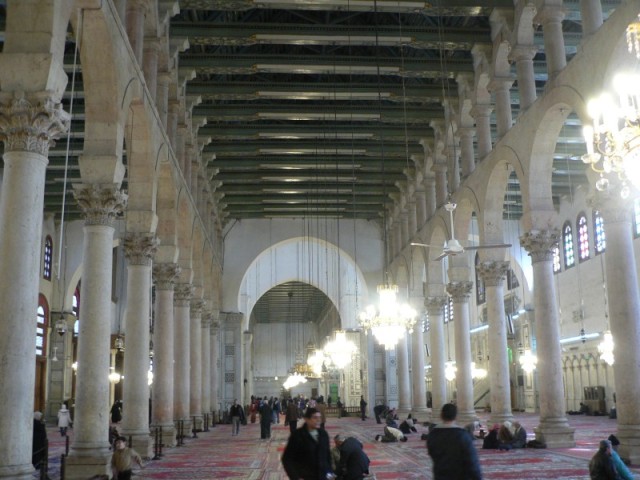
[[167, 207], [276, 265]]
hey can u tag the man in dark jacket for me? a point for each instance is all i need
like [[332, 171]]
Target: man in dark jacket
[[307, 455], [451, 449], [354, 463]]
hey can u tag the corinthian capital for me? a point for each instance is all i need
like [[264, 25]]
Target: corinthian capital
[[197, 304], [493, 273], [540, 244], [459, 291], [164, 275], [139, 248], [182, 295], [101, 204], [435, 305], [31, 124]]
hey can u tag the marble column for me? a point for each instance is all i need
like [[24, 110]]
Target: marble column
[[435, 308], [139, 250], [467, 159], [430, 196], [418, 384], [162, 99], [195, 357], [554, 429], [482, 115], [172, 124], [164, 275], [453, 166], [523, 56], [413, 218], [460, 292], [136, 13], [186, 171], [442, 194], [404, 383], [215, 366], [404, 224], [624, 315], [195, 168], [27, 127], [493, 273], [591, 16], [551, 19], [181, 301], [501, 88], [181, 148], [89, 454], [150, 65], [247, 359], [421, 208], [206, 363]]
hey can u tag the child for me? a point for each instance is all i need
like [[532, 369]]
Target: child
[[121, 461]]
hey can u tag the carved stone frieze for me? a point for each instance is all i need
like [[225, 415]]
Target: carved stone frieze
[[140, 248], [182, 294], [164, 275], [493, 273], [31, 124], [101, 204], [460, 291], [540, 244]]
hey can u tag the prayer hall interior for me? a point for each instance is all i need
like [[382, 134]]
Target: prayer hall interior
[[407, 202]]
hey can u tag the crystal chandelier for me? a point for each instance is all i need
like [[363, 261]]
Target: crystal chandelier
[[633, 37], [613, 141], [293, 380], [478, 373], [450, 370], [316, 360], [390, 320], [605, 348], [528, 361], [114, 377], [340, 350]]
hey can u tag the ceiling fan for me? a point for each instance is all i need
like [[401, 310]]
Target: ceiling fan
[[452, 246]]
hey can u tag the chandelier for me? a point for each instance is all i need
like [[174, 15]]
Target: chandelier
[[316, 360], [293, 380], [478, 373], [340, 350], [528, 361], [450, 371], [633, 37], [605, 348], [613, 141], [114, 377], [390, 320]]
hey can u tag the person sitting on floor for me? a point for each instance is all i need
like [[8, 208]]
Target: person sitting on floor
[[519, 436], [491, 440], [505, 436], [391, 435], [392, 418], [408, 426], [601, 465]]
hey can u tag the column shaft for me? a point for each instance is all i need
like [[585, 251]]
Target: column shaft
[[453, 168], [523, 56], [430, 197], [215, 368], [206, 363], [136, 12], [435, 306], [404, 384], [150, 65], [419, 398], [591, 16], [504, 118], [162, 100], [195, 357], [482, 114], [441, 184], [467, 159], [551, 19], [182, 297]]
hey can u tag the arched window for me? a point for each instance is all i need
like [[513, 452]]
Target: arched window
[[636, 217], [41, 330], [600, 239], [556, 259], [583, 237], [47, 258], [448, 311], [480, 290], [567, 244]]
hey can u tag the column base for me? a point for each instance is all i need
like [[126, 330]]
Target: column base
[[17, 472], [465, 417], [81, 468], [555, 433], [629, 448]]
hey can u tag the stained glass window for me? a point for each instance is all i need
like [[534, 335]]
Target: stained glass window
[[556, 259], [47, 257], [583, 237], [600, 240], [567, 242], [41, 329]]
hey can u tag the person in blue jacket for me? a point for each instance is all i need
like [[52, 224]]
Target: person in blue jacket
[[451, 449]]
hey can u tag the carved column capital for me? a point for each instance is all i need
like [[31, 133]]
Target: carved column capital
[[164, 275], [197, 305], [540, 244], [493, 273], [460, 291], [215, 327], [139, 248], [101, 204], [183, 294], [611, 206], [435, 305], [31, 124], [206, 320]]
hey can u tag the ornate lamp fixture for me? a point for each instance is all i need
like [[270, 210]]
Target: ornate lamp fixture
[[118, 343], [114, 377], [613, 141], [390, 320], [450, 371], [605, 348], [315, 361], [528, 361], [294, 380], [478, 373], [340, 350], [61, 325], [633, 37]]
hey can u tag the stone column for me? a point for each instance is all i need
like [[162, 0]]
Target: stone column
[[419, 386], [421, 208], [150, 65], [523, 56], [554, 429], [501, 89], [181, 148], [195, 168], [453, 166], [404, 383], [493, 273], [413, 218], [435, 308], [172, 125], [482, 115], [442, 193], [27, 128], [121, 8], [467, 160], [430, 196], [206, 363], [90, 453], [215, 366], [162, 99], [247, 359], [181, 301], [195, 373], [164, 275], [460, 292], [138, 249], [404, 224], [136, 13], [624, 315], [591, 16], [551, 19]]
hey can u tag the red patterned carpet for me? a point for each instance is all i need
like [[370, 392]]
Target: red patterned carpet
[[218, 455]]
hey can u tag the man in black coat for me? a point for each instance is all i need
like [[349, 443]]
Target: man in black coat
[[451, 449], [380, 411], [307, 455], [354, 463]]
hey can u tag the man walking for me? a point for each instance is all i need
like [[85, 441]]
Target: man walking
[[451, 449], [236, 414], [291, 415], [307, 455]]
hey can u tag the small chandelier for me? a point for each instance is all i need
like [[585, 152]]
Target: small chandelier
[[450, 371], [340, 350], [633, 37], [528, 361], [605, 348], [478, 373], [390, 320], [114, 377], [613, 141]]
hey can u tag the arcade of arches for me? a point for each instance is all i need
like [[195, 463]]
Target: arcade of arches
[[151, 258]]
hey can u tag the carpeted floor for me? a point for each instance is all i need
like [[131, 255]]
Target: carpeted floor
[[218, 455]]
